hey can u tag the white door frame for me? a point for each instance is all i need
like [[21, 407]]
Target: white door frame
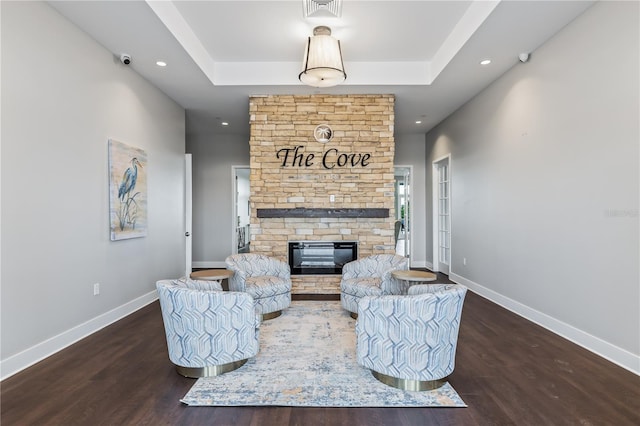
[[234, 207], [188, 212], [435, 213], [409, 217]]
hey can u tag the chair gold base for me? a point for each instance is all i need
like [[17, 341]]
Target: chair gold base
[[353, 315], [271, 315], [409, 384], [210, 370]]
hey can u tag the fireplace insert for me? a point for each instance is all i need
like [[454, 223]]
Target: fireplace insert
[[320, 257]]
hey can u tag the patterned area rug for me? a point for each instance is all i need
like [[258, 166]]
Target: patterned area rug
[[307, 358]]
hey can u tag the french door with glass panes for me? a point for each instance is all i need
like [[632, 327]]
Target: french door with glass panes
[[443, 217]]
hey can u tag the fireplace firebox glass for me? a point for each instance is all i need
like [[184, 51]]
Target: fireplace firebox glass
[[321, 257]]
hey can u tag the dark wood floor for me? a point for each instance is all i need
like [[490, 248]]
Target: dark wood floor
[[509, 372]]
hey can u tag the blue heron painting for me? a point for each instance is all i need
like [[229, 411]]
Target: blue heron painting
[[129, 178], [128, 191]]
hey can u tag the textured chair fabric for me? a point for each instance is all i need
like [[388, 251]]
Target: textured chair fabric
[[412, 337], [266, 279], [371, 276], [429, 288], [207, 328], [198, 284]]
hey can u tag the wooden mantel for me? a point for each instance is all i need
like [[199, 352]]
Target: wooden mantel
[[317, 212]]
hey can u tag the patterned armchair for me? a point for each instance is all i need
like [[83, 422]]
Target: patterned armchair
[[370, 276], [410, 341], [198, 284], [208, 332], [266, 279]]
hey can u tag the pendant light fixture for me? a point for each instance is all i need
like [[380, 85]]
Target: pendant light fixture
[[323, 66]]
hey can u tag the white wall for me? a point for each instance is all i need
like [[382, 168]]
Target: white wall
[[213, 156], [411, 151], [63, 97], [545, 184]]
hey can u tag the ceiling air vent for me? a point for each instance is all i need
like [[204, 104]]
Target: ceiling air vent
[[322, 8]]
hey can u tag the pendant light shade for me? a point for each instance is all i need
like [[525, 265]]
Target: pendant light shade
[[323, 66]]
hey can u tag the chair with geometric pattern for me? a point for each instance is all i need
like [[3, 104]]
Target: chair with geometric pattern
[[209, 332], [410, 341], [204, 285], [371, 276], [266, 279]]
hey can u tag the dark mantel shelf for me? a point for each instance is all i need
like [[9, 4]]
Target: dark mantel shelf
[[313, 212]]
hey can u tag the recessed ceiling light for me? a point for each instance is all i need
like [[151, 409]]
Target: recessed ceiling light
[[419, 122], [224, 123], [485, 62], [161, 64]]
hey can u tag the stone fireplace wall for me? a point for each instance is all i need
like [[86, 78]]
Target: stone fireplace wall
[[355, 168]]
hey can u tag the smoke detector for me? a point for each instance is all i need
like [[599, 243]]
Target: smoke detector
[[523, 57], [322, 8]]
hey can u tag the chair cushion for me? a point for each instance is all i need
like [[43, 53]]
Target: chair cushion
[[201, 285], [429, 288], [267, 286], [361, 287]]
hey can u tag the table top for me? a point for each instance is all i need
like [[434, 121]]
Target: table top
[[211, 274], [417, 276]]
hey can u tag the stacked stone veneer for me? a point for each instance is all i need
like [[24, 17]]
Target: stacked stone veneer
[[361, 124]]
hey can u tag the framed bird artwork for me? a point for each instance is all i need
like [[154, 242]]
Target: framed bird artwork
[[127, 191]]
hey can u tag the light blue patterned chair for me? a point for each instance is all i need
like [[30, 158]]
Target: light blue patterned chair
[[266, 279], [209, 332], [370, 276], [198, 284], [410, 341]]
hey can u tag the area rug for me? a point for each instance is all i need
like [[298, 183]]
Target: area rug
[[307, 358]]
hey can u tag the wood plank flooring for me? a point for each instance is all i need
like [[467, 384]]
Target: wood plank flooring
[[509, 371]]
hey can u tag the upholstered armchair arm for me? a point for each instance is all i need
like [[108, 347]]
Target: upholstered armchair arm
[[428, 288], [257, 265], [390, 284], [365, 267], [410, 336], [263, 265], [237, 281], [378, 266], [278, 268], [198, 284], [351, 270], [208, 327]]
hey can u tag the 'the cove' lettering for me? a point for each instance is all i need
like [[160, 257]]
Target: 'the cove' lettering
[[295, 157], [329, 160]]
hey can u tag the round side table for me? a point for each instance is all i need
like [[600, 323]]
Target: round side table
[[211, 274], [412, 277]]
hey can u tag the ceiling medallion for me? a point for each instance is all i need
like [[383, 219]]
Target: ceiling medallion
[[323, 133]]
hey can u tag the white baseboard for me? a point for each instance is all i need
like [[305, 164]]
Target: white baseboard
[[619, 356], [420, 264], [209, 264], [34, 354]]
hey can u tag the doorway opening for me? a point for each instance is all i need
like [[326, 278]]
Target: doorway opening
[[188, 216], [403, 219], [241, 238], [442, 215]]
